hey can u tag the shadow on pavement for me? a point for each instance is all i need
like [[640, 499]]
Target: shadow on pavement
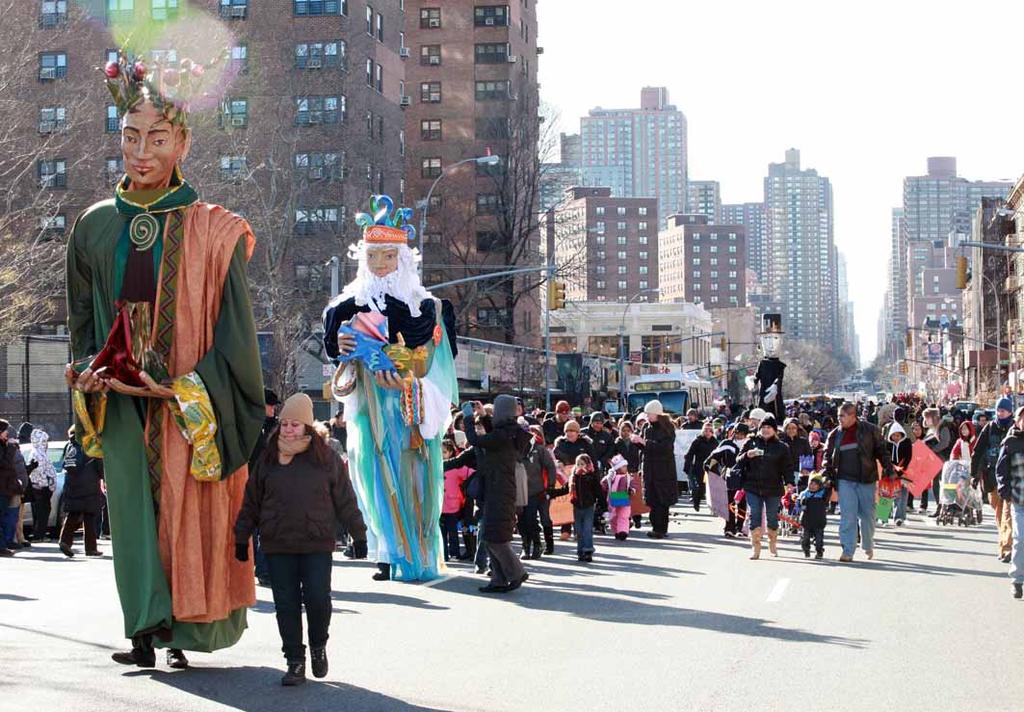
[[258, 689], [56, 636], [15, 597], [386, 599], [606, 609]]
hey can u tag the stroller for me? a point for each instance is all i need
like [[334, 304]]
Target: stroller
[[958, 500], [789, 513]]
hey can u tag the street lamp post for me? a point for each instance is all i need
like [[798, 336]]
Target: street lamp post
[[622, 343], [424, 204]]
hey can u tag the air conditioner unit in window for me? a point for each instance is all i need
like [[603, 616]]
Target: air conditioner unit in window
[[489, 21], [403, 52], [48, 73], [46, 127], [238, 11], [316, 173], [434, 22], [314, 63], [512, 59], [405, 101], [238, 121], [315, 118], [435, 59]]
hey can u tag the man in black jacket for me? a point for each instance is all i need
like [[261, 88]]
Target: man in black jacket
[[602, 441], [983, 471], [1010, 485], [853, 452], [693, 464]]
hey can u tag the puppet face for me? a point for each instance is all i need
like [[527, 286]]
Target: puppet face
[[382, 262], [771, 344], [151, 146]]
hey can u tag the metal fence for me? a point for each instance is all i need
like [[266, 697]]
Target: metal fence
[[32, 383]]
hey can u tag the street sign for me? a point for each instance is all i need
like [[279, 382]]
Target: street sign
[[935, 352], [636, 356]]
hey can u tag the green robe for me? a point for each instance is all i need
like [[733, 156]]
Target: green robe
[[232, 375]]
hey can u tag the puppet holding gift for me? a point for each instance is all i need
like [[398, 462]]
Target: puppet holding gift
[[395, 346]]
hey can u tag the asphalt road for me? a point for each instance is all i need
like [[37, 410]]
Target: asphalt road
[[683, 624]]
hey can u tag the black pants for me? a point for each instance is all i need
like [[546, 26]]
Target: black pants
[[818, 534], [71, 524], [450, 535], [659, 519], [299, 580], [734, 523], [529, 522], [40, 512]]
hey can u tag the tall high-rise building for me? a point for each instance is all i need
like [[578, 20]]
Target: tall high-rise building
[[471, 86], [751, 216], [704, 197], [557, 178], [800, 269], [638, 153], [941, 202], [606, 245], [896, 291]]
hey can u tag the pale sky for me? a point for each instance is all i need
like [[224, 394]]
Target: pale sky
[[866, 90]]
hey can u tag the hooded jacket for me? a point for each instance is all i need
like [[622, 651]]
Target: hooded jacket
[[902, 451], [1010, 467], [986, 453], [963, 450]]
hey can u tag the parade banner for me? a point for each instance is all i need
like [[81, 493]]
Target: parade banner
[[718, 495], [924, 465]]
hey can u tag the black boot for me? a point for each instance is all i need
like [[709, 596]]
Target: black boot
[[176, 659], [549, 540], [535, 547], [295, 675], [383, 574], [1018, 590], [525, 553], [141, 655], [318, 658]]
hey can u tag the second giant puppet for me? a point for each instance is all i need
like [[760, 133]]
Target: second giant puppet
[[395, 343], [768, 379]]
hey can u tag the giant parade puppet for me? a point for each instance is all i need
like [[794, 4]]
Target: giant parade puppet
[[395, 345], [768, 378], [165, 374]]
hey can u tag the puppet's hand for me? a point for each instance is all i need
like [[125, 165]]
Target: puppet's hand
[[771, 393]]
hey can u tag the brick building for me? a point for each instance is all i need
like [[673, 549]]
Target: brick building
[[702, 263], [607, 246], [472, 91]]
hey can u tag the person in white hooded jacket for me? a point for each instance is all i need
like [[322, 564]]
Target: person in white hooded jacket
[[902, 451]]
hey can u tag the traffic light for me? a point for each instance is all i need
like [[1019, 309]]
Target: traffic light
[[961, 273], [910, 339], [903, 367], [723, 344], [556, 294]]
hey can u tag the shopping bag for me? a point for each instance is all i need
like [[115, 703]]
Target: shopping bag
[[718, 495], [883, 510], [637, 505], [561, 512], [618, 498], [924, 466]]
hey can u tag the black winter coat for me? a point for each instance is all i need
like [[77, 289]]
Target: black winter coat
[[765, 476], [10, 485], [798, 447], [602, 445], [986, 454], [82, 475], [661, 488], [567, 452], [630, 451], [297, 506], [700, 449], [497, 454]]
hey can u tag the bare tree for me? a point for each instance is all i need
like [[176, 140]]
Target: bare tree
[[810, 368]]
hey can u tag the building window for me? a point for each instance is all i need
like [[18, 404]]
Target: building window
[[696, 249], [236, 113], [492, 128], [240, 57], [599, 239], [310, 277], [234, 9], [315, 55], [53, 12], [599, 226], [431, 55], [378, 72], [696, 261], [319, 165], [486, 204], [642, 254], [311, 221], [369, 73], [732, 287], [620, 211], [113, 124], [54, 225], [380, 27], [601, 254], [620, 225], [488, 241], [317, 110], [164, 9], [643, 269], [621, 240], [696, 274], [490, 16], [642, 239], [622, 284], [430, 18], [643, 284], [621, 254], [430, 167], [600, 269], [320, 7], [623, 269], [52, 119], [491, 53], [491, 317], [642, 211], [53, 174], [53, 65], [600, 284], [492, 90], [232, 167], [599, 210], [430, 92], [642, 225], [120, 11], [714, 248], [714, 261], [114, 168], [714, 274], [732, 248]]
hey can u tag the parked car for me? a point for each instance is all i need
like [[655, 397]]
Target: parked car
[[55, 449]]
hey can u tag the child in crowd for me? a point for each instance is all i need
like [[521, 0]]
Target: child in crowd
[[902, 451], [454, 501], [619, 486], [584, 489], [814, 504]]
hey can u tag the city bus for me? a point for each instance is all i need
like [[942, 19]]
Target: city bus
[[678, 392]]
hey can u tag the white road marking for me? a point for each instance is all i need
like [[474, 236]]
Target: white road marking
[[449, 577], [779, 591]]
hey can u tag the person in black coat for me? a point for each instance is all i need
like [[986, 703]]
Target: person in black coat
[[800, 450], [701, 447], [659, 467], [498, 453], [83, 496], [765, 464]]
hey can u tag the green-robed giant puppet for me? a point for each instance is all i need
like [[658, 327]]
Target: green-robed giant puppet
[[166, 379]]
